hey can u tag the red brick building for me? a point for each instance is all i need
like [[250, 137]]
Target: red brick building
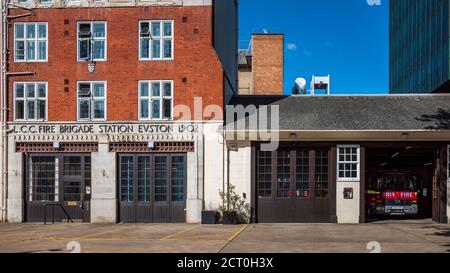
[[92, 95]]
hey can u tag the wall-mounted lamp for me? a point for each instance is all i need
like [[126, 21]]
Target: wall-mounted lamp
[[151, 145], [293, 136], [56, 145], [103, 173]]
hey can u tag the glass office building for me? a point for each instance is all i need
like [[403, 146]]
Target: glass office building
[[419, 46]]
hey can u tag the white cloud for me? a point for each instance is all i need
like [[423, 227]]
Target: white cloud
[[292, 46], [265, 31]]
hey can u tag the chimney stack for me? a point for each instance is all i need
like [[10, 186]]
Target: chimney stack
[[261, 67]]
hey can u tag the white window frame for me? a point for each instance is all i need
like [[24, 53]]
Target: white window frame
[[358, 163], [150, 98], [92, 41], [160, 39], [25, 99], [46, 2], [36, 39], [92, 100]]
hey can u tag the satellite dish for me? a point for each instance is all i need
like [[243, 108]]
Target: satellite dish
[[300, 82], [300, 87]]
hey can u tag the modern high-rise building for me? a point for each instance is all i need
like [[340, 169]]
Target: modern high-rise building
[[419, 44]]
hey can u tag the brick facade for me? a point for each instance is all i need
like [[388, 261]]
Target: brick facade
[[268, 64], [196, 70]]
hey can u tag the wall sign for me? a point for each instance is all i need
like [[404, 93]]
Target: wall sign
[[105, 129]]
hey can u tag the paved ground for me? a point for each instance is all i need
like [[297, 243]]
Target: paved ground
[[392, 237]]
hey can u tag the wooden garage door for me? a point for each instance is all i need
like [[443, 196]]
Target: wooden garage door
[[293, 186], [152, 188]]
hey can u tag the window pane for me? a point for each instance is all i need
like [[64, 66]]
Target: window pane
[[156, 89], [20, 50], [41, 109], [145, 29], [126, 179], [42, 90], [72, 165], [167, 108], [20, 30], [31, 31], [84, 109], [156, 109], [19, 91], [302, 186], [167, 48], [321, 185], [30, 90], [99, 109], [284, 175], [144, 89], [264, 174], [144, 175], [31, 110], [42, 31], [99, 89], [156, 49], [178, 178], [167, 29], [99, 50], [20, 109], [31, 50], [156, 29], [99, 30], [144, 109], [43, 182], [161, 178], [42, 54], [145, 48], [84, 49], [167, 86]]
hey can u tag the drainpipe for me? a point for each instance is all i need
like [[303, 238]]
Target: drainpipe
[[4, 167]]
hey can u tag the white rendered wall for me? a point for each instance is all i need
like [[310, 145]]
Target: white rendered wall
[[15, 186], [240, 169], [104, 184], [214, 166], [348, 210]]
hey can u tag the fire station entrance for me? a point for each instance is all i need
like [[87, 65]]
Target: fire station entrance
[[405, 181], [294, 185], [152, 188], [58, 186]]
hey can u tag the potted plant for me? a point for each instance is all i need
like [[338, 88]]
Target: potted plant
[[234, 209]]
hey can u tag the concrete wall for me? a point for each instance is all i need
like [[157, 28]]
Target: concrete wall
[[104, 184], [226, 43]]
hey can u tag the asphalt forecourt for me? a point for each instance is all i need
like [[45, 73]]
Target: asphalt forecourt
[[384, 237]]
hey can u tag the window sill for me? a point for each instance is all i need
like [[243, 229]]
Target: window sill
[[24, 61], [348, 180]]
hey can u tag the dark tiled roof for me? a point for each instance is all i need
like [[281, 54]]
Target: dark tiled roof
[[389, 112]]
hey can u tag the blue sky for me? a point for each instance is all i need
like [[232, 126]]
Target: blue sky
[[347, 39]]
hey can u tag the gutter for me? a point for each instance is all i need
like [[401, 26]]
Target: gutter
[[4, 68]]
